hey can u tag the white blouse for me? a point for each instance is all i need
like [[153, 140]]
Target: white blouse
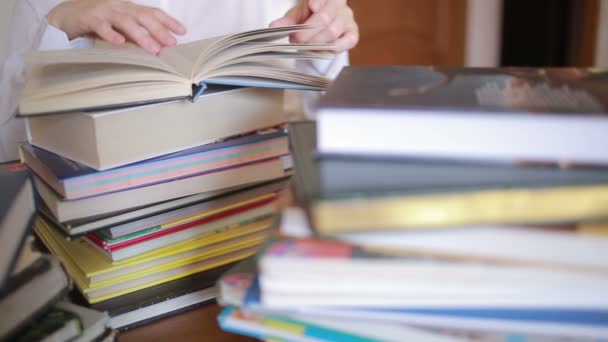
[[202, 19]]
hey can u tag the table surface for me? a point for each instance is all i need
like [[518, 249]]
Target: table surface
[[196, 325]]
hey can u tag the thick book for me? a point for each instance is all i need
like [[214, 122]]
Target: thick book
[[99, 279], [585, 324], [136, 244], [98, 139], [573, 247], [30, 293], [250, 173], [72, 180], [239, 288], [68, 80], [355, 194], [530, 114], [145, 306], [123, 222], [17, 210], [94, 269], [303, 271]]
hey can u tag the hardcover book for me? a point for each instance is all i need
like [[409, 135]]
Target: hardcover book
[[530, 114], [97, 139], [17, 211], [72, 180], [68, 80], [247, 174], [30, 293], [147, 305], [422, 193], [239, 288]]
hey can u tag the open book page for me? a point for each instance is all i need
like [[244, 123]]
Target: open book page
[[103, 53], [104, 76], [183, 57], [265, 74], [58, 79], [261, 35], [258, 51]]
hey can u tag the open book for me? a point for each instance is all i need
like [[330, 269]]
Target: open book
[[104, 77]]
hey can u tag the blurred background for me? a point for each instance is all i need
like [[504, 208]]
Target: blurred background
[[468, 32]]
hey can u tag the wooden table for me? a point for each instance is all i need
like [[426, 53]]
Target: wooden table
[[196, 325]]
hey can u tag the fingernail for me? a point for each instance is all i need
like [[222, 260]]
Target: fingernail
[[153, 48], [276, 23]]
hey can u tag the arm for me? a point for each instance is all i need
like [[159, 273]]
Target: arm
[[27, 30]]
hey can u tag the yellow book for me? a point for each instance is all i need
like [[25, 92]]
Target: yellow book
[[93, 273], [511, 206]]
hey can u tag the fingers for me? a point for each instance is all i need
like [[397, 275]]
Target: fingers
[[169, 22], [136, 33], [348, 41], [334, 17], [323, 18], [157, 29], [117, 21], [107, 33], [296, 15]]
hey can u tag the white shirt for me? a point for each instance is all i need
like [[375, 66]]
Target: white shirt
[[202, 19]]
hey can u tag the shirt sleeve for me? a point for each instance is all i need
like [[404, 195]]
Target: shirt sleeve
[[29, 31]]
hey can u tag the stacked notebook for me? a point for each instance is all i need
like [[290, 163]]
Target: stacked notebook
[[34, 285], [457, 239], [151, 178]]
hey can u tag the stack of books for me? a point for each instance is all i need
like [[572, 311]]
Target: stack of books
[[440, 204], [33, 286], [150, 186]]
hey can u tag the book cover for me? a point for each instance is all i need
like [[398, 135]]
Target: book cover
[[93, 269], [239, 288], [417, 193], [110, 244], [31, 293], [183, 233], [563, 322], [128, 221], [499, 90], [225, 179], [17, 211], [157, 294], [498, 114], [72, 180]]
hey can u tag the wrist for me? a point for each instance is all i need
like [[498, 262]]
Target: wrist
[[55, 18]]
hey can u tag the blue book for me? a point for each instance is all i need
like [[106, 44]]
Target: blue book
[[72, 180], [571, 322]]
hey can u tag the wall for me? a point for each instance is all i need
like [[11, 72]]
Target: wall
[[483, 33], [601, 49]]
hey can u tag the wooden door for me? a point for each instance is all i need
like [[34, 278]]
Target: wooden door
[[402, 32]]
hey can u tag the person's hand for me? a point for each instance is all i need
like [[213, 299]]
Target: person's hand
[[334, 16], [116, 21]]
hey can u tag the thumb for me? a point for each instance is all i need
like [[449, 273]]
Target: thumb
[[297, 15]]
